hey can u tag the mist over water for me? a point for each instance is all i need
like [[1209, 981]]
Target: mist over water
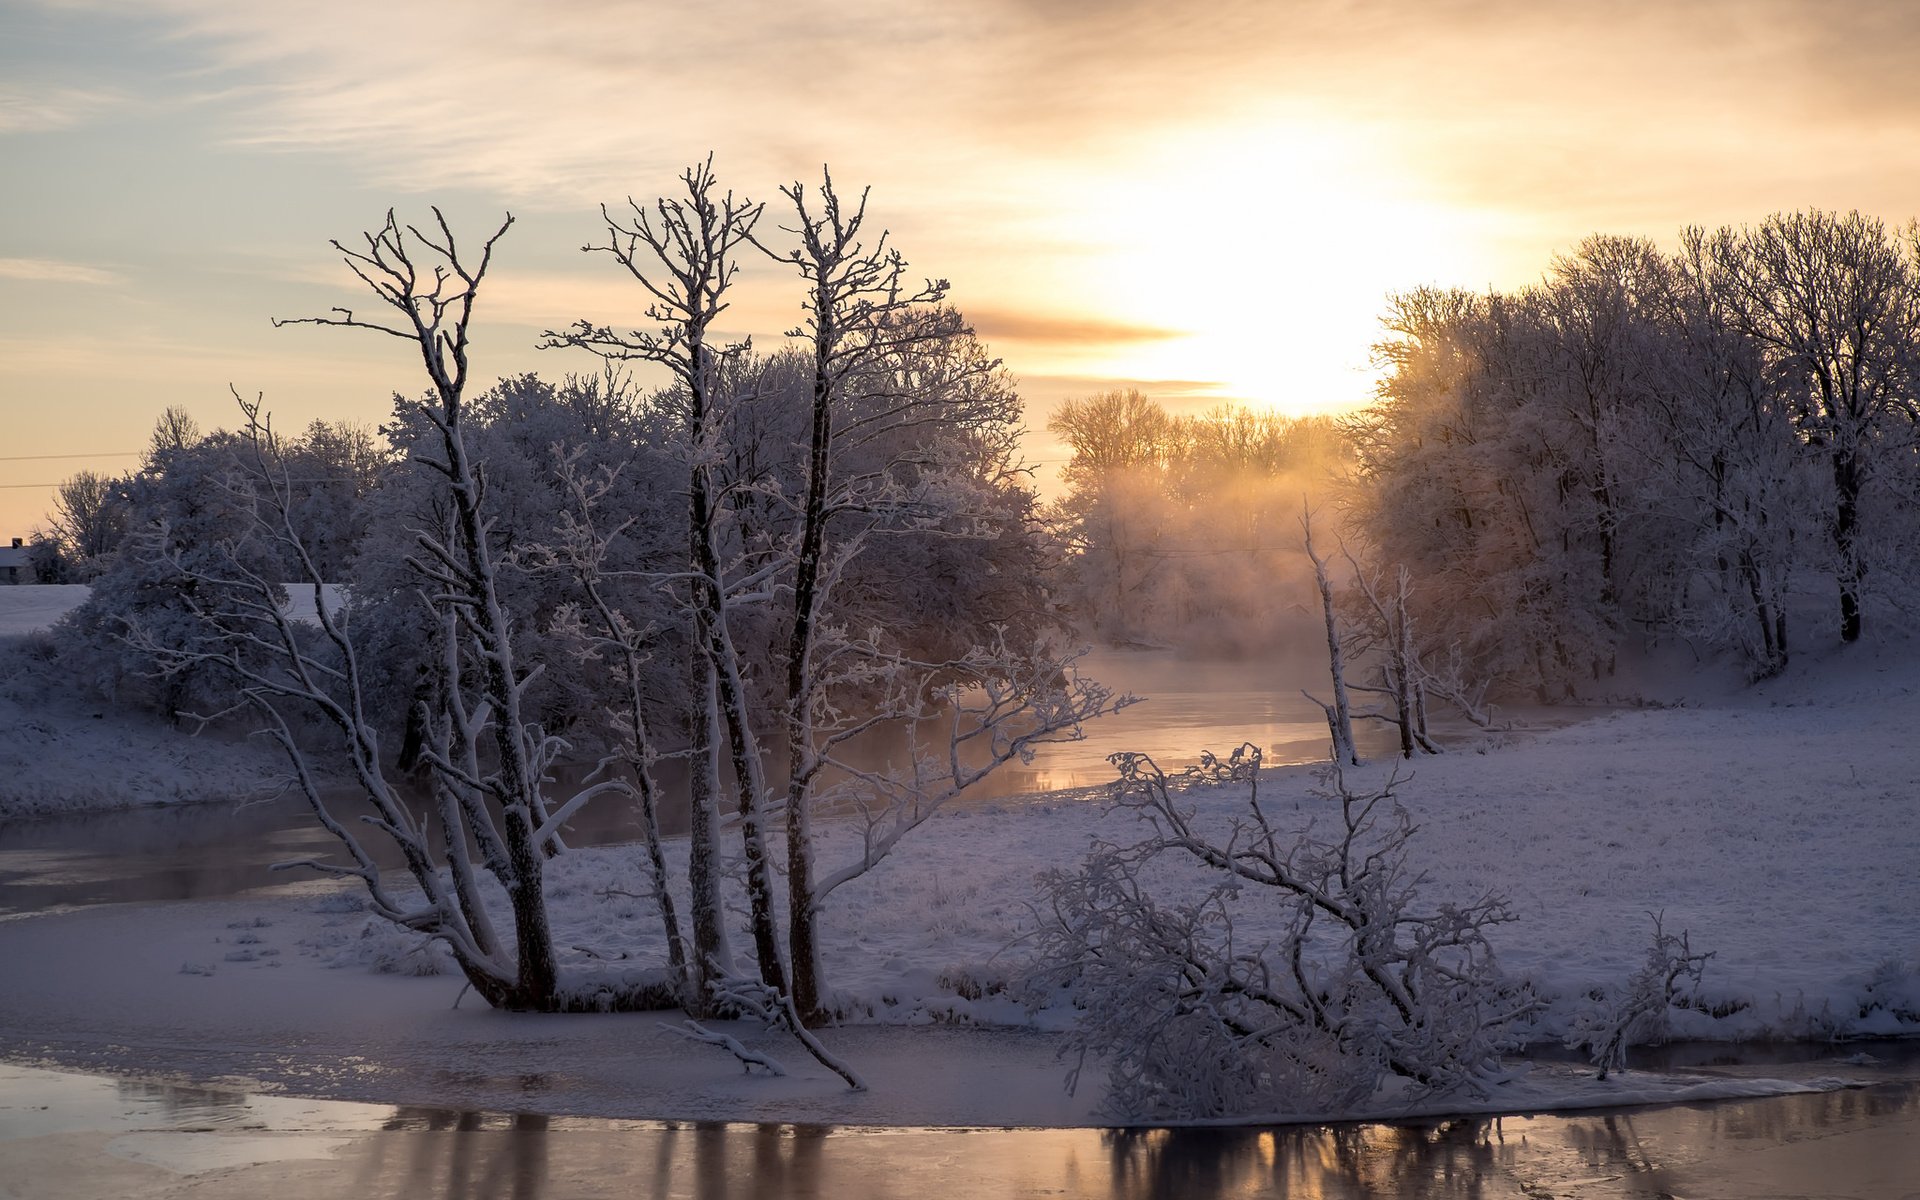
[[1190, 703]]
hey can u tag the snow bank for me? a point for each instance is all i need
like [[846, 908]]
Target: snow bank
[[242, 992], [1776, 827], [61, 755]]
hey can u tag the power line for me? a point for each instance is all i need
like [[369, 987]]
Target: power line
[[45, 457]]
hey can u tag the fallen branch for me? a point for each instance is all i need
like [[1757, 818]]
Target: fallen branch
[[694, 1031], [774, 1008]]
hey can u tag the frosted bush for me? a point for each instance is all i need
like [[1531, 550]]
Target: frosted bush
[[1366, 985]]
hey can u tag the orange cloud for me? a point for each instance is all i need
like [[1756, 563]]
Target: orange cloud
[[996, 325]]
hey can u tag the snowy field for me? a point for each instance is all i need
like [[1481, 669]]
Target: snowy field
[[1775, 825], [62, 753], [31, 608]]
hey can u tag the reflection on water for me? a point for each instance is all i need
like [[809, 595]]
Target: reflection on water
[[1860, 1139], [1648, 1154]]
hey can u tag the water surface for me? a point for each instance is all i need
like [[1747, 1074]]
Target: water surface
[[87, 1136], [216, 850]]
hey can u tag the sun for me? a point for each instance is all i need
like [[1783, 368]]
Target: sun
[[1272, 249]]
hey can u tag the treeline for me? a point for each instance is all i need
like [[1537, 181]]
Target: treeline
[[941, 570], [334, 464], [1692, 445], [1709, 445], [1185, 529]]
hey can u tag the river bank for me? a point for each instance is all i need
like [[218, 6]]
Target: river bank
[[1774, 824]]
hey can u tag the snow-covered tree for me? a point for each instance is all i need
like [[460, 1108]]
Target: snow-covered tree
[[1468, 474], [1368, 980], [1183, 529], [831, 489], [489, 760], [89, 519], [1643, 443], [1727, 495], [183, 505], [1834, 302], [1112, 515]]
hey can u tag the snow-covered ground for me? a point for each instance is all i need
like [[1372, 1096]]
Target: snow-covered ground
[[64, 755], [30, 607], [33, 607], [242, 994], [60, 752], [1776, 825]]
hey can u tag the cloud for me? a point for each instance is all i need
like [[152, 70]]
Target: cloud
[[1085, 329], [49, 270], [1237, 170], [1043, 391], [981, 110], [39, 109]]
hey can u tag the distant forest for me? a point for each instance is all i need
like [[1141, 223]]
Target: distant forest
[[1706, 446]]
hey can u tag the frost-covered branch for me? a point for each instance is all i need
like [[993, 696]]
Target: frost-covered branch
[[1637, 1013], [1362, 983], [774, 1008]]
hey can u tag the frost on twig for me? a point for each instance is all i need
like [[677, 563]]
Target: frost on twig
[[1363, 982], [1637, 1013]]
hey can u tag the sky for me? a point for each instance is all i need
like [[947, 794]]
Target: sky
[[1209, 203]]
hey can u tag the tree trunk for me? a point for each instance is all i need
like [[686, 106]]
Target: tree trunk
[[1846, 523], [538, 981], [1340, 713], [802, 944], [712, 957]]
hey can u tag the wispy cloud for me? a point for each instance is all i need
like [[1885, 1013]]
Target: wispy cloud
[[1082, 329], [51, 270], [1608, 112], [1129, 190], [26, 109]]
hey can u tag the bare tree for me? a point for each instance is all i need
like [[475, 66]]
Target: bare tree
[[1388, 634], [681, 252], [282, 674], [89, 515], [1637, 1013], [1112, 514], [583, 549], [486, 756], [1720, 442], [1340, 712], [176, 430], [859, 313]]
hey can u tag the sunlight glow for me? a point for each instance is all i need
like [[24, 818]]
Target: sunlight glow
[[1271, 246]]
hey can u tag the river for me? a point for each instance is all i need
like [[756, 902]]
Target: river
[[206, 851], [85, 1136]]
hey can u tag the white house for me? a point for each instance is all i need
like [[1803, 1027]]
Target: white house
[[15, 565]]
